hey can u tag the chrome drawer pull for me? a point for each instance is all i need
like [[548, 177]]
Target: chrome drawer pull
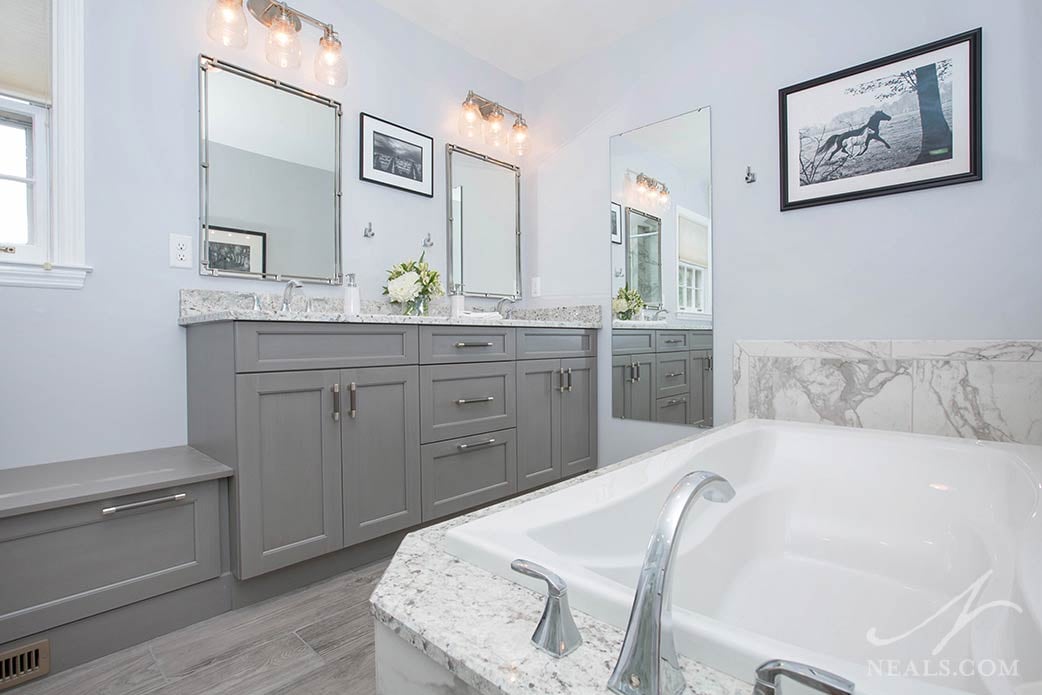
[[467, 345], [474, 445], [354, 400], [468, 401], [336, 402], [674, 374], [673, 402], [569, 386], [562, 388], [674, 341], [144, 503]]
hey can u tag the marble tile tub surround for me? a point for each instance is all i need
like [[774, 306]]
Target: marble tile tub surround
[[207, 306], [976, 389], [477, 625]]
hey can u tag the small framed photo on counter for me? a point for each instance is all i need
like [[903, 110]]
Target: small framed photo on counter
[[395, 156]]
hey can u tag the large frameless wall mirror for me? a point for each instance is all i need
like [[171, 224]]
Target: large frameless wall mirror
[[484, 224], [270, 178], [662, 250]]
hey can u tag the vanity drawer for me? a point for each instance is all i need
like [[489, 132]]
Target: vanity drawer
[[628, 341], [467, 472], [458, 400], [700, 340], [672, 409], [669, 341], [68, 563], [448, 344], [671, 377], [555, 343], [271, 346]]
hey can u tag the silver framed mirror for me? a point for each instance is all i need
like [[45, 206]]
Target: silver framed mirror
[[484, 224], [644, 256], [269, 178]]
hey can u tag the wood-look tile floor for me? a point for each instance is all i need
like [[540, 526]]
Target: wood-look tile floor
[[316, 640]]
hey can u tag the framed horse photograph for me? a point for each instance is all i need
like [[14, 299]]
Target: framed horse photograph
[[905, 122]]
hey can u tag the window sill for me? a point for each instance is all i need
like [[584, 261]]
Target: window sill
[[48, 275]]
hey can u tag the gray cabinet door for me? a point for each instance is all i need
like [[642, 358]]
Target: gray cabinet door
[[555, 343], [672, 371], [454, 344], [672, 409], [578, 408], [640, 405], [626, 341], [707, 400], [459, 400], [467, 472], [698, 369], [380, 421], [621, 368], [538, 422], [276, 346], [287, 489]]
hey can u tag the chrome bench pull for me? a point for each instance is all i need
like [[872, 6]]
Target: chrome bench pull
[[144, 503]]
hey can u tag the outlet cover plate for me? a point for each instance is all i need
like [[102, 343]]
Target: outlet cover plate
[[181, 251]]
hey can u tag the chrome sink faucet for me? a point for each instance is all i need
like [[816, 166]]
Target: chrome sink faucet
[[660, 311], [829, 683], [648, 663], [287, 294], [502, 303]]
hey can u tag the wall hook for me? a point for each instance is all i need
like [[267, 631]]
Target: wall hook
[[750, 176], [428, 242], [368, 232]]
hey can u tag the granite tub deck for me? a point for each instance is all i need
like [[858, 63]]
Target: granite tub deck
[[210, 306], [478, 626]]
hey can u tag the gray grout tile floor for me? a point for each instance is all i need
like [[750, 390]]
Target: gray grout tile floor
[[316, 640]]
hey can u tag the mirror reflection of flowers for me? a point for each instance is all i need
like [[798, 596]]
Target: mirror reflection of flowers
[[413, 284], [627, 303]]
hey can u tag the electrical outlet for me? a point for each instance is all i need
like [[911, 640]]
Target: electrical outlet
[[537, 286], [180, 251]]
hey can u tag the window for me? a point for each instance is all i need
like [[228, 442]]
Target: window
[[24, 184], [691, 288]]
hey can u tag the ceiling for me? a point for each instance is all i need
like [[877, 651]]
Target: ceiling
[[526, 39]]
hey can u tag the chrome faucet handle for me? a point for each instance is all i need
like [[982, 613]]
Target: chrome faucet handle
[[768, 674], [556, 633]]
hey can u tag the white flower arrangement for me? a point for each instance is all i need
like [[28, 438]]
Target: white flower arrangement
[[413, 284]]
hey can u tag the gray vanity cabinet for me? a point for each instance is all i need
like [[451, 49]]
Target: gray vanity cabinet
[[700, 373], [381, 451], [635, 377], [288, 483], [557, 419]]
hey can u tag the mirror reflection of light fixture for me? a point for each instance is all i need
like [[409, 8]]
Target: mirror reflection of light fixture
[[479, 115], [649, 191], [226, 23]]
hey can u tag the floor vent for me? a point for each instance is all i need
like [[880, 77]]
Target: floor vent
[[24, 663]]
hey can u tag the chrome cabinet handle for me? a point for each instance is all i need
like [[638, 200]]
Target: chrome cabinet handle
[[336, 402], [709, 363], [562, 388], [673, 402], [633, 373], [353, 389], [569, 386], [144, 503], [637, 365], [672, 375], [475, 445], [674, 341], [468, 401], [467, 345], [556, 634]]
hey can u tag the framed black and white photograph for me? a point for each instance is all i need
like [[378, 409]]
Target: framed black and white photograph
[[395, 156], [237, 250], [616, 223], [905, 122]]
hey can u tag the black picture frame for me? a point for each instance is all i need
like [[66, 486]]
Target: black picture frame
[[410, 168], [263, 238], [973, 172], [616, 222]]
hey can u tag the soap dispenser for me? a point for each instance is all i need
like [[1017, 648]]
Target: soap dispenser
[[456, 302], [352, 298]]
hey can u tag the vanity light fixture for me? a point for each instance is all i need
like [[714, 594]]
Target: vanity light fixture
[[480, 116], [226, 24], [652, 191]]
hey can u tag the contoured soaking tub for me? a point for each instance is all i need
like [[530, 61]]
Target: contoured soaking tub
[[906, 563]]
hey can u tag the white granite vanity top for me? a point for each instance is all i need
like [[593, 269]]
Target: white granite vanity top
[[665, 324], [209, 306], [478, 626]]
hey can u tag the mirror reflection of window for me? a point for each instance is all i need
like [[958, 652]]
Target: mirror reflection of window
[[693, 262]]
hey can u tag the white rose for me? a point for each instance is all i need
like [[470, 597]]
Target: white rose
[[404, 288], [619, 305]]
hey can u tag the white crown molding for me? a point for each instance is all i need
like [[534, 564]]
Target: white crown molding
[[47, 275]]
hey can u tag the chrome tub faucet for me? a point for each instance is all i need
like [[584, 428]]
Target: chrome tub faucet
[[648, 663], [767, 676]]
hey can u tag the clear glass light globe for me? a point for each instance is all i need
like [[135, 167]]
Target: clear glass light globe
[[330, 64], [283, 47], [226, 23]]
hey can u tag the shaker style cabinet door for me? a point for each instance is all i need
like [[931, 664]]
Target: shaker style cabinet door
[[538, 422], [380, 419], [287, 489], [578, 407], [707, 401], [644, 388], [699, 375]]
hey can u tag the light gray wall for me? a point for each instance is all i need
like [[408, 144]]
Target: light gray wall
[[102, 370], [291, 203], [954, 262]]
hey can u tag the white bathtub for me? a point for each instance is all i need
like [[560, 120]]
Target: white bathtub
[[833, 532]]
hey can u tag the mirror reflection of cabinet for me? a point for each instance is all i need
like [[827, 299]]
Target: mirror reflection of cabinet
[[270, 177], [484, 224]]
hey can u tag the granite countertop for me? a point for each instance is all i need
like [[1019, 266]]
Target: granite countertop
[[209, 306], [668, 324], [28, 489], [478, 625]]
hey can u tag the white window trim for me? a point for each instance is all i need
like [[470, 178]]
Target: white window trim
[[65, 266], [682, 212], [683, 265]]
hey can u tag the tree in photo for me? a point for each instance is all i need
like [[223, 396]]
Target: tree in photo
[[925, 83]]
